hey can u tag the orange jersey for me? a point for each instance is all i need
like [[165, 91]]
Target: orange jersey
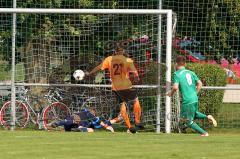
[[119, 66]]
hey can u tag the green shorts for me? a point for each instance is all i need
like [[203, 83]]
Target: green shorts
[[188, 111]]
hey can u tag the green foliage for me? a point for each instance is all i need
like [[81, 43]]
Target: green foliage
[[214, 23], [210, 75], [225, 30], [41, 30], [5, 73], [151, 76]]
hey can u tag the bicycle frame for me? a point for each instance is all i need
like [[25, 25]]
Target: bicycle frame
[[24, 110], [25, 99]]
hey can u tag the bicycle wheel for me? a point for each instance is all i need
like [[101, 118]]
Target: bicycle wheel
[[54, 112], [22, 115]]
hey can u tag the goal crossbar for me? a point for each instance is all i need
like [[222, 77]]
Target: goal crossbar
[[73, 85], [85, 11]]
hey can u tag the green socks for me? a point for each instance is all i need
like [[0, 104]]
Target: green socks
[[199, 115], [195, 127]]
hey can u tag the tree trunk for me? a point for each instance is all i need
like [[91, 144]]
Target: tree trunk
[[36, 62]]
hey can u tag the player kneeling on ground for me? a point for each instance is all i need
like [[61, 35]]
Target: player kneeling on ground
[[83, 121]]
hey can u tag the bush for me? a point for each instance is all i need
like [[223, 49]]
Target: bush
[[210, 75], [151, 76]]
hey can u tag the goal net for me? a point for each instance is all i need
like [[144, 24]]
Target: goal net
[[208, 32], [51, 46]]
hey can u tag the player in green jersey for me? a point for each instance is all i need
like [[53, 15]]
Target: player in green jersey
[[189, 85]]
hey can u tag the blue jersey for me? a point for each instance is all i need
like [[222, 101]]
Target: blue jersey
[[88, 120]]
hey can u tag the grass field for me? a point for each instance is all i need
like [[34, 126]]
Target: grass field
[[229, 116], [104, 145]]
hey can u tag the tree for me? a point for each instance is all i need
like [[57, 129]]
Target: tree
[[214, 23], [42, 37]]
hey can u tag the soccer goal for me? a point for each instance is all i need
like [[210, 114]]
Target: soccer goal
[[48, 45]]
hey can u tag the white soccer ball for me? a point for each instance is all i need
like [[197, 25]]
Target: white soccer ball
[[78, 75]]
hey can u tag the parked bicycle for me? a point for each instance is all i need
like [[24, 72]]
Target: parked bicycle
[[88, 98], [25, 112]]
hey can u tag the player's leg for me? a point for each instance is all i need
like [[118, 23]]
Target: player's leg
[[116, 119], [82, 129], [211, 119], [123, 111], [197, 128], [131, 97], [199, 115], [137, 111], [188, 112], [137, 114], [124, 114], [124, 96]]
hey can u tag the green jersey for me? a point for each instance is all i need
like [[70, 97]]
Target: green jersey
[[187, 81]]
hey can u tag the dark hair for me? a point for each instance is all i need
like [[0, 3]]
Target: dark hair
[[180, 60]]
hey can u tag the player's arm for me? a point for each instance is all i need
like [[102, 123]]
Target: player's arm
[[104, 65], [132, 69], [55, 125], [198, 82], [97, 120], [97, 68], [199, 85], [175, 85], [174, 89], [136, 76]]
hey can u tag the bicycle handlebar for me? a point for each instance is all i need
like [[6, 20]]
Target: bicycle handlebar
[[54, 95]]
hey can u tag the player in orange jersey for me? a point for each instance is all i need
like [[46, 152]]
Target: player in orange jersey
[[120, 67]]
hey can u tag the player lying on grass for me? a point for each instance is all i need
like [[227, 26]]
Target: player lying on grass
[[120, 67], [84, 121], [189, 85]]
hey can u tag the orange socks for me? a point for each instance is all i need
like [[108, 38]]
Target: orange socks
[[137, 111], [125, 115]]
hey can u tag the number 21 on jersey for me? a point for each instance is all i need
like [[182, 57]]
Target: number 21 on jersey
[[117, 69]]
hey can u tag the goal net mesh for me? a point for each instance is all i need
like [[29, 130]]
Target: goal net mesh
[[50, 47]]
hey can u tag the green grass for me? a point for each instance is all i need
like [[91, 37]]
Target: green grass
[[229, 116], [104, 145]]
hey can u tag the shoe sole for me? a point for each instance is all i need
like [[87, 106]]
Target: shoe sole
[[205, 135], [213, 121]]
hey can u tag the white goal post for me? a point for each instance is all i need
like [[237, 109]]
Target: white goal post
[[159, 12]]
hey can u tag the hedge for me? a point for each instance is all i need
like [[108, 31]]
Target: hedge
[[211, 75]]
